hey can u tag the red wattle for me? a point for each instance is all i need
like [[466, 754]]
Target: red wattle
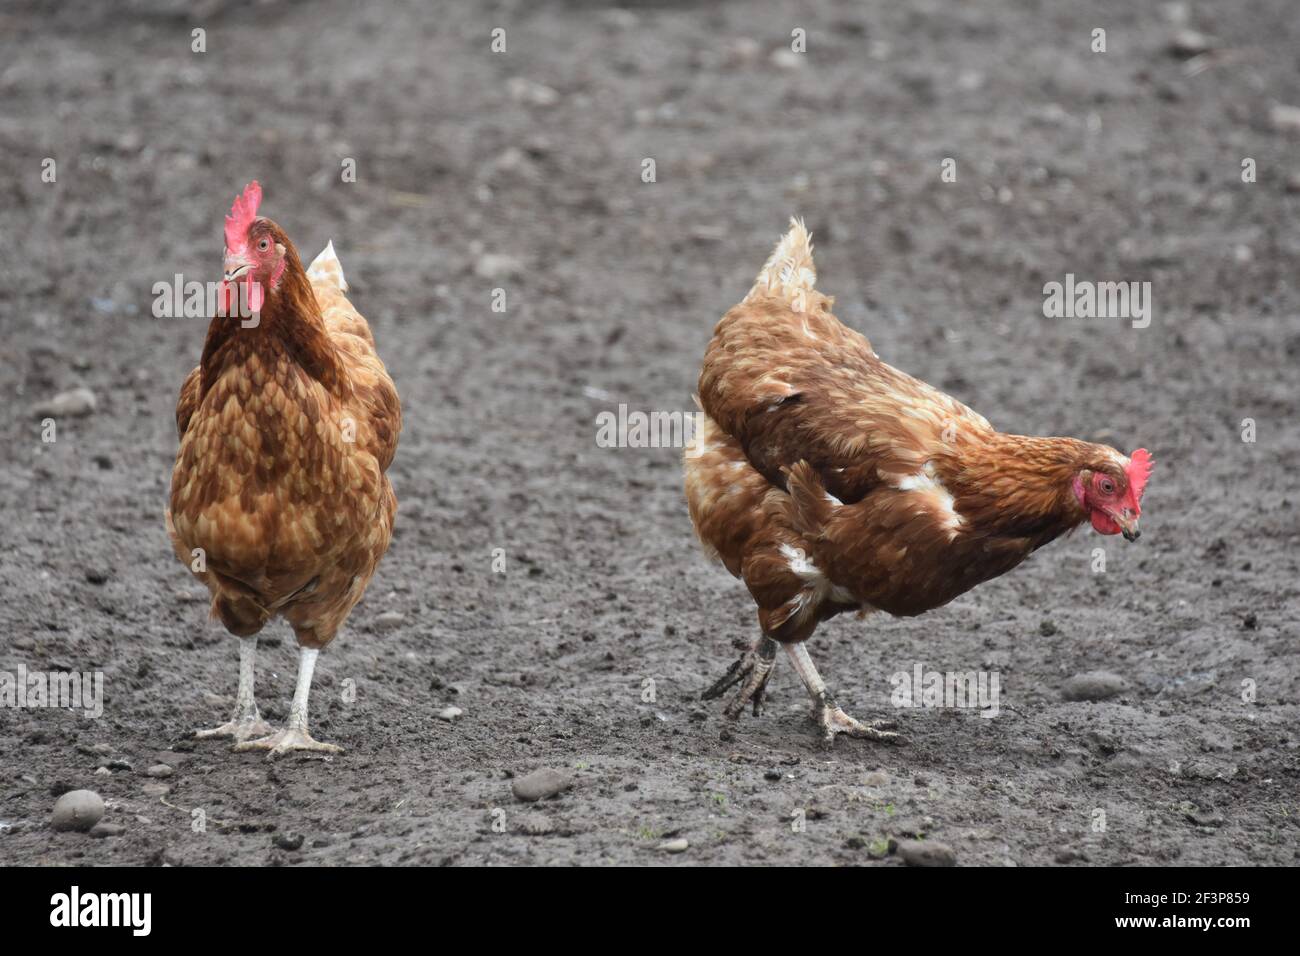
[[255, 295], [1102, 523]]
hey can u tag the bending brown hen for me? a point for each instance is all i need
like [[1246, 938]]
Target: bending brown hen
[[829, 481], [279, 502]]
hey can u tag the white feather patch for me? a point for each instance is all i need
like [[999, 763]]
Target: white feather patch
[[803, 567], [927, 483], [327, 268]]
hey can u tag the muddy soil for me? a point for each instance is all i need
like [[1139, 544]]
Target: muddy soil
[[588, 653]]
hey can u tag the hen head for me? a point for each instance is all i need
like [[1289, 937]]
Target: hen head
[[1111, 493], [256, 250]]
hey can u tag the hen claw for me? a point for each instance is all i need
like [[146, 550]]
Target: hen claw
[[755, 668], [241, 728], [833, 720], [283, 741]]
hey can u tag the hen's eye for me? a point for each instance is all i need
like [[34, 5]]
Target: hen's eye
[[263, 244], [1107, 486]]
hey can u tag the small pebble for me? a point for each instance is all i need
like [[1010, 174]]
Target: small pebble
[[1093, 685], [1285, 118], [678, 845], [1188, 43], [926, 853], [74, 403], [159, 770], [289, 840], [449, 713], [877, 778], [786, 59], [532, 93], [101, 830], [541, 784], [389, 620], [77, 810], [492, 265]]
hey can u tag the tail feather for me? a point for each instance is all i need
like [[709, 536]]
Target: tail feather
[[326, 268], [789, 272]]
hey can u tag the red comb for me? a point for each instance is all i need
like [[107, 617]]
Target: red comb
[[1139, 470], [242, 214]]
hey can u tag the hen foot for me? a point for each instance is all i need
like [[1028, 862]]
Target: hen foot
[[833, 720], [752, 671], [241, 728], [283, 741]]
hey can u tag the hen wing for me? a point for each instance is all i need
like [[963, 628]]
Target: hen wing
[[794, 386], [374, 400], [188, 400]]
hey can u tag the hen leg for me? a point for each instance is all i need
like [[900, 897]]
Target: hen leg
[[294, 736], [246, 722], [754, 669], [827, 713]]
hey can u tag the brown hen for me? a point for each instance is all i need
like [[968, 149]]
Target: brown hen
[[279, 501], [829, 481]]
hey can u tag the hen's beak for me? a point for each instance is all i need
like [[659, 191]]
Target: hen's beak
[[234, 266], [1128, 524]]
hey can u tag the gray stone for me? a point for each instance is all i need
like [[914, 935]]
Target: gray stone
[[77, 810], [492, 265], [1093, 685], [289, 840], [541, 784], [926, 853], [389, 620], [74, 403]]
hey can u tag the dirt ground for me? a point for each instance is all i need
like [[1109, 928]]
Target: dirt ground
[[1122, 165]]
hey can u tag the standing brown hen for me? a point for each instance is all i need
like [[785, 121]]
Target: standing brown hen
[[279, 502], [829, 481]]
